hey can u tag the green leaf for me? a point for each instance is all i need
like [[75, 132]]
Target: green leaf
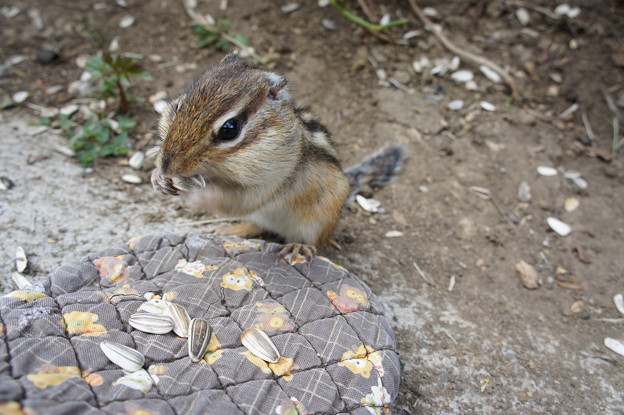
[[106, 150], [223, 45], [103, 136], [126, 123], [120, 143], [6, 102], [145, 76], [225, 23], [86, 157], [207, 39], [241, 38], [45, 121], [96, 66]]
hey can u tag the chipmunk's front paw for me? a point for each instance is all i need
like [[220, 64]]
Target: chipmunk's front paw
[[294, 253], [164, 184]]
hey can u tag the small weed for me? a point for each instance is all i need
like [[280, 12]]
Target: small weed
[[98, 137], [219, 34], [340, 5], [114, 73]]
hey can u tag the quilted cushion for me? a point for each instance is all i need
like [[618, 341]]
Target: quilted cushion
[[338, 353]]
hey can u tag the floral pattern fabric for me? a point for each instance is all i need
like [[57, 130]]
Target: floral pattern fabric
[[338, 353]]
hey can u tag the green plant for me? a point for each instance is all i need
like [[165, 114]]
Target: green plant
[[340, 5], [98, 137], [219, 34], [114, 73]]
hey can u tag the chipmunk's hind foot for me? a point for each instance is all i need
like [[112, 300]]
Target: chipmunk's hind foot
[[294, 253]]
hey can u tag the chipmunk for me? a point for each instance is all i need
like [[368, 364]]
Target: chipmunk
[[237, 143]]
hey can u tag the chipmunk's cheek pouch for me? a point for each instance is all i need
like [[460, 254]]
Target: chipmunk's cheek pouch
[[206, 198]]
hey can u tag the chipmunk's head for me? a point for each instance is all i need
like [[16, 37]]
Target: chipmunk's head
[[234, 126]]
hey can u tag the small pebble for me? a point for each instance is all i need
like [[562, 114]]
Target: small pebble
[[524, 192], [328, 24], [68, 110], [430, 12], [455, 105], [10, 11], [35, 16], [571, 204], [131, 178], [160, 106], [555, 77], [472, 86], [158, 96], [289, 8], [114, 45], [411, 34], [523, 16], [462, 76], [20, 97], [394, 234], [45, 57], [385, 20], [126, 21], [487, 106]]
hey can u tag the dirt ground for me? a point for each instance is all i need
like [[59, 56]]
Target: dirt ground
[[472, 338]]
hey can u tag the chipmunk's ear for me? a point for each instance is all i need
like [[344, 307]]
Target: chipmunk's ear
[[231, 57], [278, 87]]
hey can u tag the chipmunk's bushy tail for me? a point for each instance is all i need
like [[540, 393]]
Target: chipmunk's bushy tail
[[376, 170]]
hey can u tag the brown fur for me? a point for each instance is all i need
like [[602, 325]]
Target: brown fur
[[283, 174]]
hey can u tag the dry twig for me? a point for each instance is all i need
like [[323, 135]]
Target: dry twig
[[423, 275], [469, 56]]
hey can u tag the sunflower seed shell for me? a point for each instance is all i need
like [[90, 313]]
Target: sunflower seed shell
[[199, 338], [260, 345], [123, 356], [181, 319], [151, 323]]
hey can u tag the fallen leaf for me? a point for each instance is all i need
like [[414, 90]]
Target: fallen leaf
[[581, 256], [398, 216], [530, 277], [569, 285]]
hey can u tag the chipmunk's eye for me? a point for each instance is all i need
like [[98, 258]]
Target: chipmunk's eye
[[229, 130]]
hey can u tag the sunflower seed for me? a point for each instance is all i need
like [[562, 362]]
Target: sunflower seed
[[546, 171], [615, 345], [559, 227], [131, 178], [136, 161], [181, 319], [125, 357], [199, 338], [151, 323], [20, 281], [20, 259], [260, 345], [618, 299]]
